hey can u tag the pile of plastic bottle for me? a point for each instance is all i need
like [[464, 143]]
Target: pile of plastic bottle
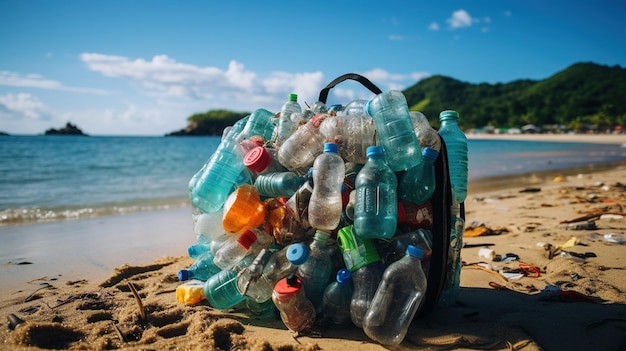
[[322, 216]]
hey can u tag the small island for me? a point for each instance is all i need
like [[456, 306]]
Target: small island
[[69, 129]]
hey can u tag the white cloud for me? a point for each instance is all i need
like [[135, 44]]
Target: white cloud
[[460, 19], [23, 106], [164, 77], [395, 37], [434, 26], [37, 81], [397, 81]]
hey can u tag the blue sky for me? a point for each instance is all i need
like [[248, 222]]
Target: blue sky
[[142, 67]]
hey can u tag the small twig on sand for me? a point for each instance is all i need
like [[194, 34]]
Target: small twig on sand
[[142, 309], [119, 332], [32, 295]]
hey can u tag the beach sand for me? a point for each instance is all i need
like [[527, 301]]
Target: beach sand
[[78, 295]]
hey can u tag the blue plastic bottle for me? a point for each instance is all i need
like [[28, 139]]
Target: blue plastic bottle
[[456, 144], [316, 270], [202, 268], [397, 299], [285, 125], [337, 298], [376, 203], [395, 130], [221, 290], [325, 204], [451, 288], [220, 174], [278, 184], [259, 124], [196, 250], [418, 183]]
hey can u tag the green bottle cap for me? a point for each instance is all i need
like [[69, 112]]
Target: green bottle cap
[[293, 97]]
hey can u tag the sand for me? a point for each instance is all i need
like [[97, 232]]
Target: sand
[[92, 306]]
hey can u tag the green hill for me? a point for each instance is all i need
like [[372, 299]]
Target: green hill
[[582, 94]]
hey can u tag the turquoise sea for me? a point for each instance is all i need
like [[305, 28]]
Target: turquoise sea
[[46, 178]]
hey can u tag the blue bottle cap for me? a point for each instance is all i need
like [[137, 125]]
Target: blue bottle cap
[[414, 251], [448, 114], [366, 107], [430, 153], [374, 150], [331, 147], [344, 276], [183, 275], [297, 253]]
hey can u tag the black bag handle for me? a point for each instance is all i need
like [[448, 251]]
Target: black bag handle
[[353, 76]]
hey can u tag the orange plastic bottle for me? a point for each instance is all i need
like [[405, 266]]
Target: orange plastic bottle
[[243, 210]]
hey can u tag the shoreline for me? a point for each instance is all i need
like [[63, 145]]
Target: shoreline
[[616, 139]]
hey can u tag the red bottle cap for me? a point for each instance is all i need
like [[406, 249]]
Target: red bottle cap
[[257, 159], [288, 286], [246, 239]]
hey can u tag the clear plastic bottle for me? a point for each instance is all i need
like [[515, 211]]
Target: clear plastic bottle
[[355, 108], [299, 151], [278, 184], [365, 281], [395, 130], [234, 251], [296, 310], [455, 264], [259, 124], [456, 145], [316, 270], [426, 135], [202, 268], [376, 208], [285, 125], [243, 209], [418, 183], [210, 187], [258, 280], [325, 205], [361, 258], [337, 298], [207, 226], [352, 133], [396, 248], [397, 299]]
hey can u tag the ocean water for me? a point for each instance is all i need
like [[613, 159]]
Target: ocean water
[[46, 178]]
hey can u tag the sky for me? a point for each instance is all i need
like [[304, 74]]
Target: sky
[[142, 67]]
